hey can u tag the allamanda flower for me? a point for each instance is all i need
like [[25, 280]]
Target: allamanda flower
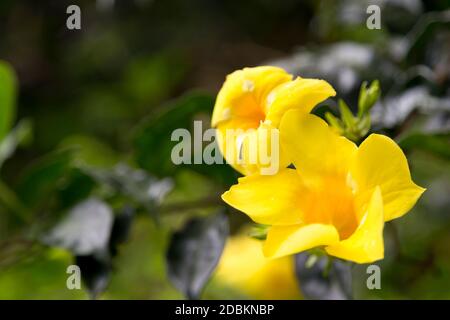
[[338, 196], [253, 100]]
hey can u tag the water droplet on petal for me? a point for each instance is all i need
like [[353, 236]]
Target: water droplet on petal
[[248, 85]]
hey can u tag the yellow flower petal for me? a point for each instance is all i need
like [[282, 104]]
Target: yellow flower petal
[[302, 94], [381, 162], [366, 243], [268, 199], [313, 147], [261, 151], [244, 267], [230, 147], [244, 92], [284, 240]]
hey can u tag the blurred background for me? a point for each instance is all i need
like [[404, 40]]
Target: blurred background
[[95, 108]]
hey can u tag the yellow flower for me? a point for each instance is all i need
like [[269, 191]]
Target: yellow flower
[[339, 195], [244, 267], [256, 99]]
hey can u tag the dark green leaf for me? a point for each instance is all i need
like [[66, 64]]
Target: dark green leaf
[[121, 229], [75, 188], [135, 184], [149, 79], [423, 33], [43, 177], [95, 273], [436, 144], [153, 137], [194, 253]]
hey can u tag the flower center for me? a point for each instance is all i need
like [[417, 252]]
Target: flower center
[[332, 202], [250, 112]]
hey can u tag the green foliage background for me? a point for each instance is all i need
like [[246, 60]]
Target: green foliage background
[[89, 113]]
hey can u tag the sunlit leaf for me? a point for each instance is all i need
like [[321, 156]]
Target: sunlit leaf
[[8, 92], [347, 116], [368, 96], [84, 230], [19, 135], [91, 151]]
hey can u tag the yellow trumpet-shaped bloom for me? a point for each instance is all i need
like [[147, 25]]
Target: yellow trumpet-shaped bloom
[[244, 267], [338, 196], [253, 100]]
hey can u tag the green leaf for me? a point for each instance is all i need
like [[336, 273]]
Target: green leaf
[[95, 273], [364, 125], [21, 134], [153, 145], [368, 97], [139, 188], [44, 176], [424, 32], [194, 253], [153, 136], [356, 127], [322, 277], [333, 121], [8, 92], [438, 145], [121, 228], [92, 233], [91, 151], [150, 79], [84, 230], [346, 115], [259, 231], [76, 187]]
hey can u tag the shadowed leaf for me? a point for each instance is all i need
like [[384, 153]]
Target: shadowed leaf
[[194, 252], [95, 273], [323, 279], [153, 137], [42, 177], [136, 185]]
